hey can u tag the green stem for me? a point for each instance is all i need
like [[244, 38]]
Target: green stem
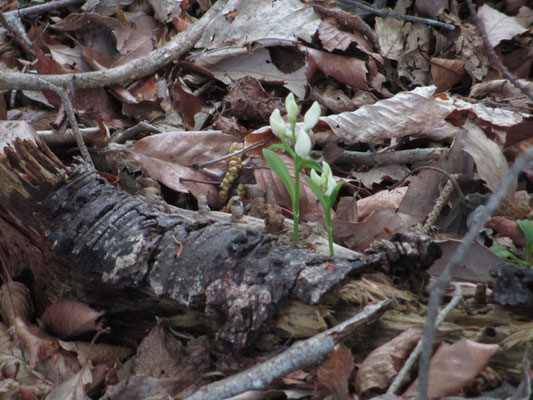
[[296, 200], [327, 216]]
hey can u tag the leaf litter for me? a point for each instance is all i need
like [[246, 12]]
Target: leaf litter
[[384, 85]]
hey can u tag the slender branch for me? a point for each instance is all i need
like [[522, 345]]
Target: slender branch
[[350, 5], [13, 25], [494, 58], [303, 354], [437, 288], [42, 8], [69, 111], [401, 377], [127, 72], [391, 157]]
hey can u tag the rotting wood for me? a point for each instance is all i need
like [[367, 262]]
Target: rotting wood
[[120, 248]]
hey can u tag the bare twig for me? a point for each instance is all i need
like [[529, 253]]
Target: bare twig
[[437, 288], [69, 111], [392, 157], [303, 354], [129, 133], [127, 72], [494, 58], [400, 378], [13, 25], [350, 5], [42, 8], [53, 138]]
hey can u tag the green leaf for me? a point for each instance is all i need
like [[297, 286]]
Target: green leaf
[[280, 169], [335, 193], [506, 255], [279, 146], [317, 190], [308, 163], [527, 227]]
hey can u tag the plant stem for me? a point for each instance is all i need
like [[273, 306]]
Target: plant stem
[[327, 216], [296, 200]]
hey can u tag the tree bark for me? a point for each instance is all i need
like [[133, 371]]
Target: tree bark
[[120, 253]]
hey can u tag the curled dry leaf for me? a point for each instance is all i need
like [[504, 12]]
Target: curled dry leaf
[[381, 366], [15, 300], [348, 70], [334, 373], [70, 318], [406, 113], [455, 366], [446, 73], [97, 352], [38, 344], [499, 26]]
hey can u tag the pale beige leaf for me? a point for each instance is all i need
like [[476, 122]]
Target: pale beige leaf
[[490, 162], [390, 37], [288, 20], [496, 116], [499, 88], [376, 175], [406, 113], [455, 366], [498, 26]]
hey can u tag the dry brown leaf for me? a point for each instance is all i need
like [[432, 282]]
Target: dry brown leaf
[[334, 373], [384, 199], [39, 345], [506, 227], [96, 352], [70, 318], [332, 38], [490, 162], [73, 388], [348, 70], [379, 368], [186, 103], [15, 300], [134, 39], [376, 175], [167, 157], [406, 113], [391, 36], [346, 209], [247, 100], [159, 355], [446, 73], [381, 224], [498, 26], [455, 366]]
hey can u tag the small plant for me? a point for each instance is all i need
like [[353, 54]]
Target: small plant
[[297, 143], [326, 190], [527, 227]]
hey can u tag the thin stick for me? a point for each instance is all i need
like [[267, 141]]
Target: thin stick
[[217, 160], [437, 288], [401, 377], [69, 111], [15, 28], [349, 5], [303, 354], [42, 8], [494, 58]]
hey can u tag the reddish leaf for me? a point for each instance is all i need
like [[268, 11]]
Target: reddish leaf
[[446, 73], [69, 318], [334, 373], [186, 103]]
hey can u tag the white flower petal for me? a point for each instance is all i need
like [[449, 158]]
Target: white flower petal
[[316, 178], [311, 117], [292, 108], [303, 144], [277, 124]]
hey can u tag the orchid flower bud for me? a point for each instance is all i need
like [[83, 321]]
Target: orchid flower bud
[[330, 185], [277, 124], [292, 108], [303, 144], [317, 179], [311, 117]]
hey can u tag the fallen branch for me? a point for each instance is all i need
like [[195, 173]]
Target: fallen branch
[[127, 72], [351, 5], [392, 157], [301, 355]]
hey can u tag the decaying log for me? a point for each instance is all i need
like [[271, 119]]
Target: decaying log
[[127, 257]]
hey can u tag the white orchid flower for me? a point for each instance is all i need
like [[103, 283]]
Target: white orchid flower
[[303, 144], [317, 179], [278, 125], [311, 117], [292, 107]]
